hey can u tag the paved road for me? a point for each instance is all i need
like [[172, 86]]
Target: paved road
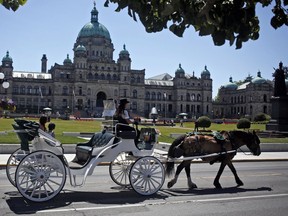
[[265, 193]]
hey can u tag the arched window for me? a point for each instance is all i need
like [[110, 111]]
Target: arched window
[[265, 98], [114, 77], [29, 90], [188, 97], [147, 95], [192, 97], [96, 76], [265, 109], [65, 90], [159, 96], [132, 79], [134, 93], [153, 96], [198, 97], [89, 76], [22, 90], [102, 76], [108, 76], [138, 79]]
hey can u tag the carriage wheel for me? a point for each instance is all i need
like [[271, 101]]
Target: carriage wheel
[[119, 168], [40, 176], [147, 175], [12, 164]]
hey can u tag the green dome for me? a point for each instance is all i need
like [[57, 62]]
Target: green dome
[[230, 85], [205, 71], [7, 58], [67, 60], [94, 28], [124, 51], [80, 48], [258, 79], [180, 69]]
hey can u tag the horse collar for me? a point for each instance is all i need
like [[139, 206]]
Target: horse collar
[[231, 138]]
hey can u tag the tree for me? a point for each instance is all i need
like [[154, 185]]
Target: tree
[[203, 122], [243, 123], [262, 117], [232, 20]]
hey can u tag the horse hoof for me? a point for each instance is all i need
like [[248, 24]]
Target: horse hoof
[[192, 186], [170, 184], [240, 184], [218, 186]]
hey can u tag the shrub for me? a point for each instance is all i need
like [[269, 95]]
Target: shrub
[[261, 117], [204, 122], [243, 123]]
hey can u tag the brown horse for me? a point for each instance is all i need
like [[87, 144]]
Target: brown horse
[[201, 145]]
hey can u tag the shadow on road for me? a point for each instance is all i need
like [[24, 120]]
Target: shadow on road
[[211, 191], [19, 205]]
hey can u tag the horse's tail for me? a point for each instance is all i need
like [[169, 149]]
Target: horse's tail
[[170, 164]]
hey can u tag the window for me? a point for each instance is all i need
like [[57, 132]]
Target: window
[[134, 93], [65, 90], [29, 90], [147, 96], [153, 96], [90, 76]]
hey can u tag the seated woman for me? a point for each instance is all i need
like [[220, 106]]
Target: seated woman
[[123, 117]]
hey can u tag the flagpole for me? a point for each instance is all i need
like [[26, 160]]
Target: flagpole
[[40, 96]]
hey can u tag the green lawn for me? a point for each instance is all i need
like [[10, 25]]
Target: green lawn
[[95, 126]]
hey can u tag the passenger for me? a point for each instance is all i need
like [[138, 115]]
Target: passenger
[[122, 114], [42, 121], [51, 128], [124, 119]]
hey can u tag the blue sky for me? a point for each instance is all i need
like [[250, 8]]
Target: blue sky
[[51, 27]]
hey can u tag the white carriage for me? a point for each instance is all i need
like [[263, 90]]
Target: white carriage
[[40, 173]]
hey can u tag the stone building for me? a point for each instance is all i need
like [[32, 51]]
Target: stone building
[[92, 75], [245, 99]]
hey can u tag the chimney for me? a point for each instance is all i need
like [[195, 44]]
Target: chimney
[[44, 64]]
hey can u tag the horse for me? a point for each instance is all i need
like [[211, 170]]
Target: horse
[[201, 145]]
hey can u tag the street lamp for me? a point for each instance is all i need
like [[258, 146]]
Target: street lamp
[[3, 81]]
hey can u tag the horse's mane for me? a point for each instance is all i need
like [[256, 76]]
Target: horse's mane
[[243, 135]]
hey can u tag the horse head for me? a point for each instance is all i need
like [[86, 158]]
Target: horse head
[[254, 143]]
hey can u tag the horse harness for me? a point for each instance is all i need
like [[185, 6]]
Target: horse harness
[[218, 137]]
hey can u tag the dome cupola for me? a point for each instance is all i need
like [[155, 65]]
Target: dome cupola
[[67, 61], [94, 28], [231, 85], [180, 73], [205, 73], [7, 60], [258, 79]]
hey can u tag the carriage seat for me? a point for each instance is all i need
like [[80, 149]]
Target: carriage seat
[[84, 150]]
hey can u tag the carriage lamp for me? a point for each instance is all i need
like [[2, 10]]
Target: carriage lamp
[[3, 81]]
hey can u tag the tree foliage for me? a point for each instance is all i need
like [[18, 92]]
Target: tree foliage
[[204, 122], [243, 123], [262, 117], [234, 21]]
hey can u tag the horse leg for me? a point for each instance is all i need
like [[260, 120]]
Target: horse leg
[[237, 179], [220, 171], [191, 184], [178, 171]]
